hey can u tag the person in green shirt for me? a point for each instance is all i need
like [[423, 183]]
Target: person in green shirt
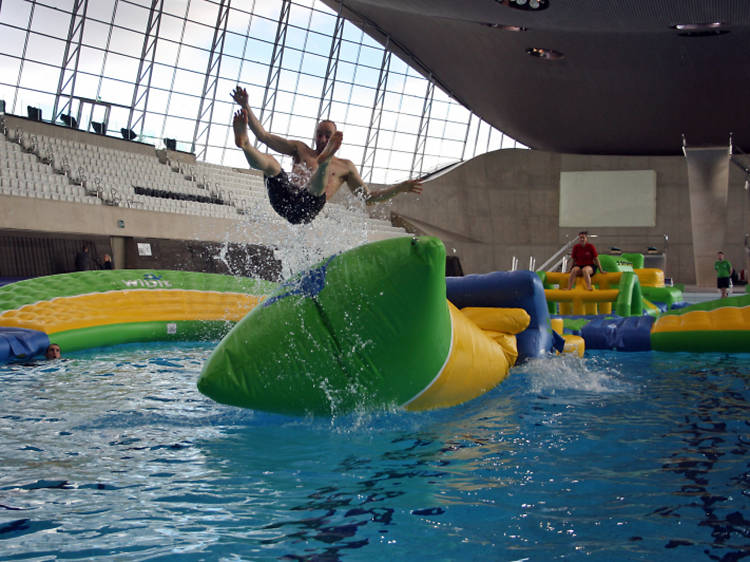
[[723, 274]]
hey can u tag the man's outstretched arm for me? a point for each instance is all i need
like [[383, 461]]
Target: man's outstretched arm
[[358, 187], [274, 142]]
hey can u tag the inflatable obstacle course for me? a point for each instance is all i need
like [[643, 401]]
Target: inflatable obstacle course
[[370, 328], [97, 308], [719, 325], [626, 289]]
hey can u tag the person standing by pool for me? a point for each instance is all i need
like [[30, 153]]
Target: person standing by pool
[[585, 261], [723, 274], [316, 173]]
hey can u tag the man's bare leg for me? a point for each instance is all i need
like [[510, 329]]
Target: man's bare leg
[[587, 278], [263, 162], [319, 179], [572, 277]]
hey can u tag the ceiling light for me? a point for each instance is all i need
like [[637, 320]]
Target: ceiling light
[[528, 5], [503, 27], [547, 54], [700, 29]]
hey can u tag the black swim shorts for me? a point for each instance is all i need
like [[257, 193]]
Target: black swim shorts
[[295, 204], [722, 282], [591, 265]]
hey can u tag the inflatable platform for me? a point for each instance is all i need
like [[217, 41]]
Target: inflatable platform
[[97, 308], [630, 309]]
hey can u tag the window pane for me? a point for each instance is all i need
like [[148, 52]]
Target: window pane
[[45, 49], [115, 91], [126, 42], [12, 40], [50, 22], [15, 12], [121, 67], [100, 10], [95, 34]]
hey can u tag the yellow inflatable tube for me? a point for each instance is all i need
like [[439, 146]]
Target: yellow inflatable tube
[[119, 307], [482, 351]]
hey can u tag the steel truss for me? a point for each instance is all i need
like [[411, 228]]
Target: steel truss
[[417, 161], [274, 70], [329, 81], [208, 97], [66, 84], [373, 130], [142, 84]]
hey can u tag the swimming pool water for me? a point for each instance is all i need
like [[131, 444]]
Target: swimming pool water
[[114, 455]]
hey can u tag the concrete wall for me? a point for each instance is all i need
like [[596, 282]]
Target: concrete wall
[[506, 203]]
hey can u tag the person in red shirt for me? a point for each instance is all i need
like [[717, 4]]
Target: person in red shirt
[[585, 261]]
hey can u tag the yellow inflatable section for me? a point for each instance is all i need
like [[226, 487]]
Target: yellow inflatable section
[[119, 307], [96, 308], [482, 352]]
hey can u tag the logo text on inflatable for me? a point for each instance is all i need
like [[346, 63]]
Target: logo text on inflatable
[[150, 280]]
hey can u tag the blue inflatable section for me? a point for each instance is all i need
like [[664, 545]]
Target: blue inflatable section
[[19, 342], [510, 289], [631, 333]]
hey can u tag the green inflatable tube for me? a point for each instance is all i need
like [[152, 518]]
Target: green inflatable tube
[[630, 300], [131, 332], [366, 329]]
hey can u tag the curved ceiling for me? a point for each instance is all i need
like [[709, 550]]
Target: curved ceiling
[[628, 81]]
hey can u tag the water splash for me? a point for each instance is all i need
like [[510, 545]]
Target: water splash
[[549, 375]]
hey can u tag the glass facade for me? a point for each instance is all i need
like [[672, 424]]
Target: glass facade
[[165, 69]]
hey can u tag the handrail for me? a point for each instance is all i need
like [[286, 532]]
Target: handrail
[[556, 258]]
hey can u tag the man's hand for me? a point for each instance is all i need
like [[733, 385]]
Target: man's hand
[[414, 186], [240, 96]]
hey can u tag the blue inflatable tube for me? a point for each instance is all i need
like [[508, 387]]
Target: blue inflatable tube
[[510, 289], [16, 343], [628, 333]]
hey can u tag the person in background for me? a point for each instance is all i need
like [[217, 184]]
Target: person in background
[[585, 261], [52, 352], [83, 259], [107, 263], [723, 274]]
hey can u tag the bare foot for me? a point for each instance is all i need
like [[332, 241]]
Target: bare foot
[[240, 128], [240, 96], [334, 143]]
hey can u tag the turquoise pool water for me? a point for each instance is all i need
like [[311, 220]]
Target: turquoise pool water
[[114, 455]]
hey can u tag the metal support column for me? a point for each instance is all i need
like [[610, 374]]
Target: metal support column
[[266, 113], [66, 84], [139, 105], [208, 97], [466, 137], [326, 96], [417, 161], [371, 142]]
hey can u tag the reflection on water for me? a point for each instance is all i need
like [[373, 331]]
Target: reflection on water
[[114, 454]]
